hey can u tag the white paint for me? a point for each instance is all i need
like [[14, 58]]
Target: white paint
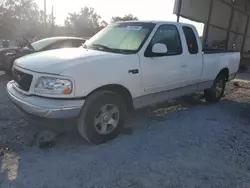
[[56, 61], [89, 69], [213, 63], [170, 72]]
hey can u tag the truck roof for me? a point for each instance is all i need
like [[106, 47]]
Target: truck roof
[[158, 22]]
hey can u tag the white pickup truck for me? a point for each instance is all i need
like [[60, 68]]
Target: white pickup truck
[[127, 65]]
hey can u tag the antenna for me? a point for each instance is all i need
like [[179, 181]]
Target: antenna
[[52, 20]]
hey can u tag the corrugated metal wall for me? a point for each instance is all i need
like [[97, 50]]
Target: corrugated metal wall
[[226, 24]]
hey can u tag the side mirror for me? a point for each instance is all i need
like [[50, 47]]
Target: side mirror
[[159, 49]]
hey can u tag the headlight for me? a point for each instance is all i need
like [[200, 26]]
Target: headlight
[[48, 85]]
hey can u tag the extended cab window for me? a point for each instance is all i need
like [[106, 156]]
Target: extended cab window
[[191, 40], [168, 35]]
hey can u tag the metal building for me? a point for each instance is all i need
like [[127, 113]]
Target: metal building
[[226, 22]]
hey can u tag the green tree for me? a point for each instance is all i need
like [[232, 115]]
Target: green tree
[[18, 16], [128, 17], [22, 18], [84, 23]]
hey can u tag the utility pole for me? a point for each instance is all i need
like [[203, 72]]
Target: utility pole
[[52, 20], [52, 13], [45, 15]]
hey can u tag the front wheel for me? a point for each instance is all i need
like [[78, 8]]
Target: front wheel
[[216, 92], [102, 117]]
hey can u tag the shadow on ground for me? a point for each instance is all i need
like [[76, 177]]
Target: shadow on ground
[[202, 146], [181, 143]]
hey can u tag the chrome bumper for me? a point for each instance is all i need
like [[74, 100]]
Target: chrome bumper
[[44, 107]]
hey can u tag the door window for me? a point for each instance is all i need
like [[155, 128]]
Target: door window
[[191, 40], [62, 44], [168, 35]]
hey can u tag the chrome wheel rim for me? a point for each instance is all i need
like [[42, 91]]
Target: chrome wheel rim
[[107, 119], [219, 88]]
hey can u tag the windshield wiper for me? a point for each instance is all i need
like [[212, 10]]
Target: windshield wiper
[[102, 47], [113, 50], [122, 51]]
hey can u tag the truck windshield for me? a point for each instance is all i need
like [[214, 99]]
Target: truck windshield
[[126, 37]]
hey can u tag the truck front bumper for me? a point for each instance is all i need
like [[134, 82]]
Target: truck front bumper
[[44, 107]]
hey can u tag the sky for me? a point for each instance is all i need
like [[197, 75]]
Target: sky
[[144, 10]]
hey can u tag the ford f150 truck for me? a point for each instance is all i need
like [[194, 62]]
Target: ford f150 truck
[[127, 65]]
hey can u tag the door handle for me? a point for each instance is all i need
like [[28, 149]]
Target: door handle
[[133, 71], [183, 66]]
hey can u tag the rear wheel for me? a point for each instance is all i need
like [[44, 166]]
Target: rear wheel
[[102, 117], [216, 92]]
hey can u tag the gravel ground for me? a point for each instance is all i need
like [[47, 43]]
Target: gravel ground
[[182, 143]]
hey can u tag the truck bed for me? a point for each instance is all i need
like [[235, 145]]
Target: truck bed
[[214, 61]]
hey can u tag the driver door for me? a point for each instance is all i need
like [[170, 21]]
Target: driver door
[[165, 72]]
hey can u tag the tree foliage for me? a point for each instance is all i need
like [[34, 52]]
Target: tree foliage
[[84, 23], [24, 18], [20, 17], [128, 17]]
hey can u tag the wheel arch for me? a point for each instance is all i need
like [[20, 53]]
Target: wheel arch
[[225, 72], [120, 90]]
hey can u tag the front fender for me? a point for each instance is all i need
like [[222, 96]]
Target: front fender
[[89, 76]]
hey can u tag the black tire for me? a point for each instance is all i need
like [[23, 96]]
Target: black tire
[[8, 67], [210, 94], [93, 103]]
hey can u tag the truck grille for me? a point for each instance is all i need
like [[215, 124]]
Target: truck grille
[[22, 79]]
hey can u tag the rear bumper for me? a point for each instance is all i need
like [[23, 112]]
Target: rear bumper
[[46, 108]]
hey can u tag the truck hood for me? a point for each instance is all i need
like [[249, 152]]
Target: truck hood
[[56, 61]]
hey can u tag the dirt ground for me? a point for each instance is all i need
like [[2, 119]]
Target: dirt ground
[[183, 143]]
